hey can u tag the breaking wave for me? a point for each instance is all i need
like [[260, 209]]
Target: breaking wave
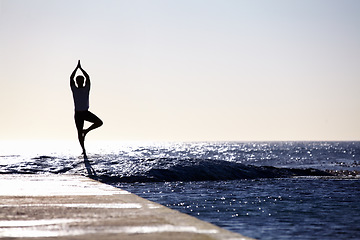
[[159, 162], [154, 170]]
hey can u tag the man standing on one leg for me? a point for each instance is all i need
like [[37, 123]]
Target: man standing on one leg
[[81, 101]]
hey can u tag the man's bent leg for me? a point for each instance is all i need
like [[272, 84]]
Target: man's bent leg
[[90, 117]]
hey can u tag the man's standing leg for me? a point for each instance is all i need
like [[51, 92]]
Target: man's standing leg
[[79, 121]]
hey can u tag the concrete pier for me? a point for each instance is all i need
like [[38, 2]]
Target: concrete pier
[[76, 207]]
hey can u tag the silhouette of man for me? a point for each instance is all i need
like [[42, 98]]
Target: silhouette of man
[[80, 92]]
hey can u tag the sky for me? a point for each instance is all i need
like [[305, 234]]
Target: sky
[[189, 70]]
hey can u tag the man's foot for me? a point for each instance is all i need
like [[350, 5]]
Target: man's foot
[[84, 153]]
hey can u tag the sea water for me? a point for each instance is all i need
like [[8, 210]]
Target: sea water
[[264, 190], [300, 208]]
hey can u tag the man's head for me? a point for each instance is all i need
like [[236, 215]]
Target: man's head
[[80, 81]]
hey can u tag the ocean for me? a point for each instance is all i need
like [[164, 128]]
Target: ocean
[[264, 190]]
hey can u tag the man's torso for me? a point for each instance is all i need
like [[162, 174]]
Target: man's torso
[[81, 98]]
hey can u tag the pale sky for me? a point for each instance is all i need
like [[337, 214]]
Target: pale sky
[[192, 70]]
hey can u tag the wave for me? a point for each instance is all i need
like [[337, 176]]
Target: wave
[[211, 170], [112, 169]]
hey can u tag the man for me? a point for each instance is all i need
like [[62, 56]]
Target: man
[[80, 92]]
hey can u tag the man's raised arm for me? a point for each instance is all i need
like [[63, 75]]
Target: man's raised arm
[[72, 81], [87, 77]]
